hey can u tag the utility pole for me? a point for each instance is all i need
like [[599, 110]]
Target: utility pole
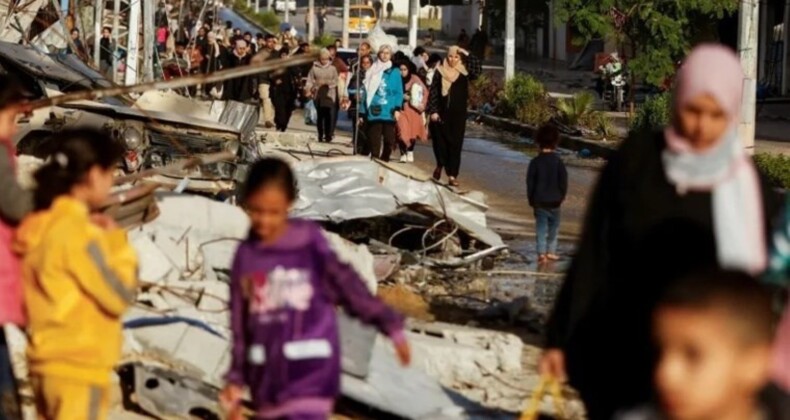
[[786, 38], [285, 17], [257, 6], [149, 40], [116, 16], [414, 22], [748, 37], [133, 43], [98, 5], [346, 19], [311, 20], [510, 40]]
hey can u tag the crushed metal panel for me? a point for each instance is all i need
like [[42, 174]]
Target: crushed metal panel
[[349, 188], [41, 65], [241, 116], [338, 190], [147, 115]]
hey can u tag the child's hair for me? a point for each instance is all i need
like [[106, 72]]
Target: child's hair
[[11, 90], [73, 155], [270, 171], [747, 302], [547, 136], [418, 51]]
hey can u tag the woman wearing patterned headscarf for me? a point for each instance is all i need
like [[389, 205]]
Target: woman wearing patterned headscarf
[[447, 105], [685, 199]]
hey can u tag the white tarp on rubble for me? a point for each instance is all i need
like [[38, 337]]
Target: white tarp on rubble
[[348, 188]]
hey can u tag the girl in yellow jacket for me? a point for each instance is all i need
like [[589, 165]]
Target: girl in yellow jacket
[[78, 275]]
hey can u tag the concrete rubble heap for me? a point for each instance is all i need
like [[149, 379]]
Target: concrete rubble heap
[[381, 219]]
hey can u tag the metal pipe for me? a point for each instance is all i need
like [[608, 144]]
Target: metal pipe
[[215, 77], [748, 36], [98, 5]]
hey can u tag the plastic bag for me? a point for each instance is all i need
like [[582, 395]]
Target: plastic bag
[[416, 96], [547, 385], [310, 113], [377, 37]]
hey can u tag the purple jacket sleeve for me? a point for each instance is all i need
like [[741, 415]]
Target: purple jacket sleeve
[[349, 291], [237, 323]]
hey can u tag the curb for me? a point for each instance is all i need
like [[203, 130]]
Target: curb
[[574, 143]]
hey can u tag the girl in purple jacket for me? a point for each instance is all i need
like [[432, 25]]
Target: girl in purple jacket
[[286, 283]]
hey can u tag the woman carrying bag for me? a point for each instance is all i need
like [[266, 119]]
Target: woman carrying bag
[[381, 101], [411, 123]]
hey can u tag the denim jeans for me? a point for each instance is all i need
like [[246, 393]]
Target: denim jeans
[[547, 223], [9, 398]]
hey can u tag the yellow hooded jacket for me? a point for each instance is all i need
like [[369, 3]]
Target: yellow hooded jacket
[[78, 280]]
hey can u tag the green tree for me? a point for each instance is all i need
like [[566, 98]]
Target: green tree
[[530, 15], [653, 34]]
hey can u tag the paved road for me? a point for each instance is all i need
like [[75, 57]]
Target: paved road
[[227, 14]]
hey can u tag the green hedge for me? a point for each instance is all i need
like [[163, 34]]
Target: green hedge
[[775, 167], [267, 19], [653, 115]]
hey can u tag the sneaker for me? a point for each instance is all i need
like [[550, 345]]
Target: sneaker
[[268, 124], [410, 157], [404, 159]]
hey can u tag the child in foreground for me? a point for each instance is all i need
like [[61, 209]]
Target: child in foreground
[[547, 185], [286, 282], [78, 275], [715, 333]]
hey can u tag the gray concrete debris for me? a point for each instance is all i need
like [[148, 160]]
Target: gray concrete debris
[[166, 394]]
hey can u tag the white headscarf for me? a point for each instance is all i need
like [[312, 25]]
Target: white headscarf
[[374, 75]]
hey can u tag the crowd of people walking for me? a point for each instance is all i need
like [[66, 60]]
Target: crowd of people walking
[[679, 230]]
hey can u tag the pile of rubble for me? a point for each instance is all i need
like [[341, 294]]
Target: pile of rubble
[[391, 223]]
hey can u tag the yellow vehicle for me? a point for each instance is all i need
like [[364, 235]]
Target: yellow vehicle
[[363, 19]]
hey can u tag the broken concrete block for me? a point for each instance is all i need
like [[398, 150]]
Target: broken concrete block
[[507, 348], [205, 351], [154, 265], [449, 362], [357, 256]]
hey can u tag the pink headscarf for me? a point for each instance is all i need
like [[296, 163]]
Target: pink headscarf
[[715, 70], [725, 170]]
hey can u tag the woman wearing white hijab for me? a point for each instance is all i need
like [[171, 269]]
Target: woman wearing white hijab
[[381, 101], [666, 206]]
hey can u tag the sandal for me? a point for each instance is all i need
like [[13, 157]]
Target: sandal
[[553, 257], [454, 182], [437, 173], [543, 259]]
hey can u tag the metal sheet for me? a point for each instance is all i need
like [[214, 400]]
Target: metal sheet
[[172, 118], [341, 189], [40, 64]]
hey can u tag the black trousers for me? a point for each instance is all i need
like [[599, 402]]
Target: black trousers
[[359, 137], [326, 123], [282, 116], [378, 131], [10, 409], [448, 144], [404, 149]]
